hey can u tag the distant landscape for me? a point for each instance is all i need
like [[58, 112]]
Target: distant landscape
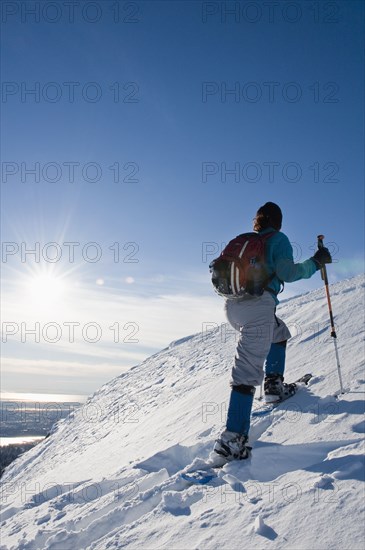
[[32, 418], [24, 423]]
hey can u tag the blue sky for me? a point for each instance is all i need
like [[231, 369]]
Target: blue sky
[[292, 131]]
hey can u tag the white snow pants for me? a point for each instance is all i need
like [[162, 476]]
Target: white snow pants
[[258, 327]]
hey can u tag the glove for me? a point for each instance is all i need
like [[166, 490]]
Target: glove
[[321, 257]]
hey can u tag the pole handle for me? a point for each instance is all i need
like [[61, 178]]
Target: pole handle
[[320, 239], [320, 244]]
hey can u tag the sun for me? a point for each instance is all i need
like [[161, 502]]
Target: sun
[[46, 289]]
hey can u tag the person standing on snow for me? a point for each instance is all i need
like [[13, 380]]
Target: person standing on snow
[[262, 336]]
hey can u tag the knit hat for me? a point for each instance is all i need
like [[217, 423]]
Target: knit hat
[[269, 215]]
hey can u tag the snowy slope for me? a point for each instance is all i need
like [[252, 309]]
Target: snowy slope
[[107, 476]]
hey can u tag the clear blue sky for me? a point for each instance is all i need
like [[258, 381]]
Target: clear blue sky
[[294, 130]]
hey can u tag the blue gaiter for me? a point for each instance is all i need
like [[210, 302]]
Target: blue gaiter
[[275, 360], [239, 412]]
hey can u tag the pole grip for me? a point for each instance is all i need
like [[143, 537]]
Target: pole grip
[[323, 269], [320, 239]]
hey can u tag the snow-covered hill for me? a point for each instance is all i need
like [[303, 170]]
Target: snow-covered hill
[[107, 476]]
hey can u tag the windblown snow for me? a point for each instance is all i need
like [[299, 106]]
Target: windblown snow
[[108, 476]]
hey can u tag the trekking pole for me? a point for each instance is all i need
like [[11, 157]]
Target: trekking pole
[[333, 330]]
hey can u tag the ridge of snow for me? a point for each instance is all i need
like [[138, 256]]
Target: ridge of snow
[[108, 475]]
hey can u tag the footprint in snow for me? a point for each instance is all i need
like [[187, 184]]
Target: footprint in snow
[[359, 427]]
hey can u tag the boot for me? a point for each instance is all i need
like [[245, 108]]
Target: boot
[[232, 446], [275, 389]]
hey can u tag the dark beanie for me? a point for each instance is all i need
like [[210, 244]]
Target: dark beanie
[[269, 215]]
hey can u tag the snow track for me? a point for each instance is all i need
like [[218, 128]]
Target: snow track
[[112, 480]]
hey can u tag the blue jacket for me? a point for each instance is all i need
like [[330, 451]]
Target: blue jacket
[[279, 260]]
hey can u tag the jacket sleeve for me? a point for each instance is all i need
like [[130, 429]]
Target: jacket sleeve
[[285, 268]]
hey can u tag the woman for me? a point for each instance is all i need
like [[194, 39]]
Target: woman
[[262, 335]]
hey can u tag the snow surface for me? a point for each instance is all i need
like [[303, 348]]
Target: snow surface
[[108, 476]]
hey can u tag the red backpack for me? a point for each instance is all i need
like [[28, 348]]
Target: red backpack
[[240, 269]]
